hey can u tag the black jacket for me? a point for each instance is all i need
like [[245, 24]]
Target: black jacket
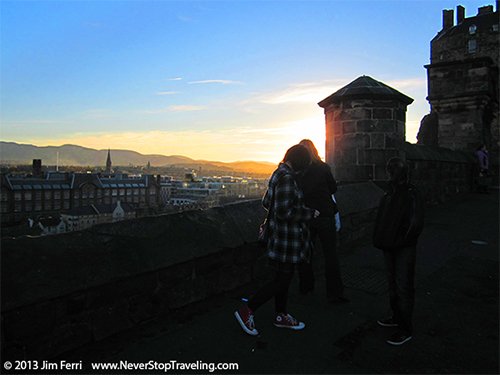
[[318, 185], [400, 218]]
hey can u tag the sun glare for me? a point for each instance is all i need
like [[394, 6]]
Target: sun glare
[[312, 128]]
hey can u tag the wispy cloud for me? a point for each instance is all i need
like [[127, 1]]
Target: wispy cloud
[[219, 81], [308, 92], [407, 83], [174, 108], [185, 108], [174, 79], [313, 92], [167, 92]]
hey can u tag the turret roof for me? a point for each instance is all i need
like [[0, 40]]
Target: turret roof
[[365, 87]]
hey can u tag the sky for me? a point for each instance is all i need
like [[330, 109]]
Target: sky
[[212, 80]]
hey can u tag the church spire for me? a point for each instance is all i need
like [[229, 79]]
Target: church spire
[[108, 162]]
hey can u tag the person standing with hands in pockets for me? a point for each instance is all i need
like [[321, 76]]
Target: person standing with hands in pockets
[[399, 223], [288, 243]]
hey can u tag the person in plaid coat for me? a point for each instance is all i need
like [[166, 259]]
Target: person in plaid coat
[[289, 240]]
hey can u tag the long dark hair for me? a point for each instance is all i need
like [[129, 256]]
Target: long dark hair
[[307, 143], [298, 156]]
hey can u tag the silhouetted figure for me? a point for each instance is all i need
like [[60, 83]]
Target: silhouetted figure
[[483, 165], [289, 242], [318, 185], [399, 222]]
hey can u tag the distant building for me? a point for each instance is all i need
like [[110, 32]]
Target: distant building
[[84, 217], [208, 192], [463, 89], [23, 196], [51, 225]]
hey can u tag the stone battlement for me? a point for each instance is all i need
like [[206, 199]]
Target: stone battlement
[[65, 291]]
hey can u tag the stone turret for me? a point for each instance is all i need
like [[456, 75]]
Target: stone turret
[[365, 126]]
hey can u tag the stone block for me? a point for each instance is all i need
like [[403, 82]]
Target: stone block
[[354, 173], [176, 274], [400, 115], [71, 335], [358, 103], [366, 126], [393, 141], [29, 322], [109, 320], [185, 293], [353, 141], [382, 114], [380, 173], [348, 157], [213, 262], [247, 254], [337, 128], [385, 103], [386, 126], [379, 157], [142, 308], [401, 128], [76, 303], [377, 140], [348, 127], [109, 294], [354, 114]]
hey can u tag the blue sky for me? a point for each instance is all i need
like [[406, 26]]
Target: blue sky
[[216, 80]]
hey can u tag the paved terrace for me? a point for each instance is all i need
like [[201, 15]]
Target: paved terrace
[[456, 313]]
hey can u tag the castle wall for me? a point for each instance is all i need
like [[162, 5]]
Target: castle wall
[[463, 81], [85, 286]]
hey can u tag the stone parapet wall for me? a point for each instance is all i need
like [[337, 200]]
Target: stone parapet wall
[[61, 292], [64, 291], [440, 173]]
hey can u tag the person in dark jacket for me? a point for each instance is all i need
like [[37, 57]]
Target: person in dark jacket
[[288, 244], [318, 185], [399, 222]]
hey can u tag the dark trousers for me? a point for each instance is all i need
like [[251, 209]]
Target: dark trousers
[[277, 288], [324, 229], [400, 265]]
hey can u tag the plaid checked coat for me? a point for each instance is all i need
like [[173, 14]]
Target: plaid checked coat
[[289, 237]]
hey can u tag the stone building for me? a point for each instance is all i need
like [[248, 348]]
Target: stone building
[[463, 83], [27, 196], [365, 126]]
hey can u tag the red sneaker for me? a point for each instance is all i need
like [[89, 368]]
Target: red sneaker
[[288, 321], [244, 316]]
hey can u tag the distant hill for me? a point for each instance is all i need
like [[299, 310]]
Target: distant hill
[[15, 153]]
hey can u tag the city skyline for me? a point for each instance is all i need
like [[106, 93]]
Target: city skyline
[[210, 80]]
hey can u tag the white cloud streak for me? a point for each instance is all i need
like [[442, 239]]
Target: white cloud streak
[[219, 81], [313, 92], [174, 108], [167, 92]]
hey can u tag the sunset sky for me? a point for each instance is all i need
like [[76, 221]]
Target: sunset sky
[[214, 80]]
